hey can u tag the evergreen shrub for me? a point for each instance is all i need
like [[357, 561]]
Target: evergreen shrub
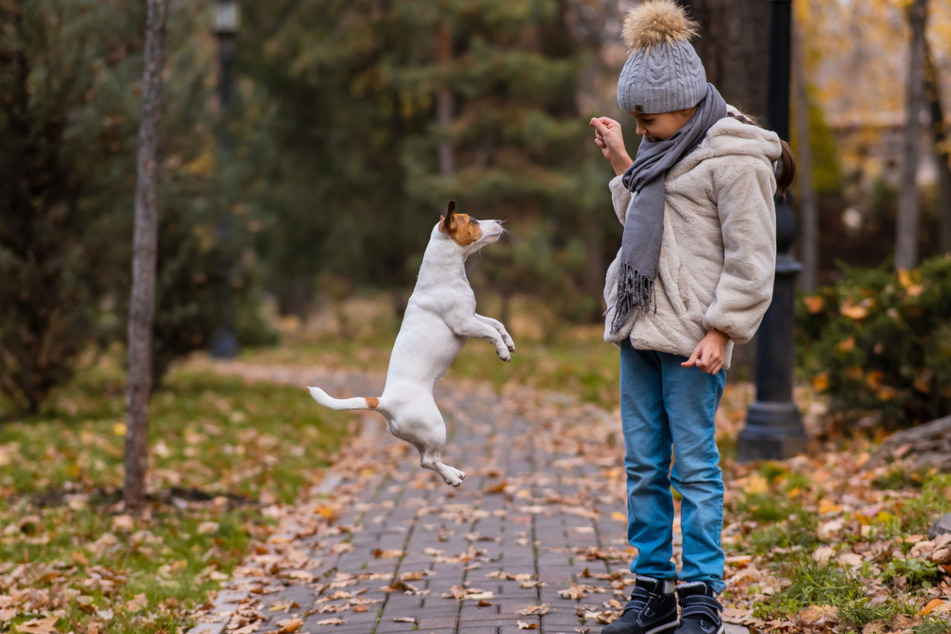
[[879, 344]]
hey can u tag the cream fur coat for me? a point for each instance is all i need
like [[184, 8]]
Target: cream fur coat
[[718, 255]]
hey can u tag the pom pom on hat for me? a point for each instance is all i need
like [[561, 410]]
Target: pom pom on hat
[[663, 72], [660, 21]]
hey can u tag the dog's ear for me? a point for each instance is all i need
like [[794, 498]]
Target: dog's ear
[[448, 220]]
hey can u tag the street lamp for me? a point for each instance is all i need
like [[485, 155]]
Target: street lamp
[[224, 344], [774, 428]]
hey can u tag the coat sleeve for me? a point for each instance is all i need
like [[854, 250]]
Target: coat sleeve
[[620, 196], [744, 188]]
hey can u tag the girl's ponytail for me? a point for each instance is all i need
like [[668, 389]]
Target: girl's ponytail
[[787, 169]]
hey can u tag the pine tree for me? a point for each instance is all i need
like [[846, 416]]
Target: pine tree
[[61, 134], [384, 111]]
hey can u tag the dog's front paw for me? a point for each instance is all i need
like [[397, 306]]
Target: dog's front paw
[[504, 354]]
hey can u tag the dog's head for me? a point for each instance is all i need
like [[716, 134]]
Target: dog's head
[[466, 231]]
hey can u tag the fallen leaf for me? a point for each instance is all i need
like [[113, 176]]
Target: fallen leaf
[[290, 626], [137, 603], [45, 625], [123, 522], [931, 605]]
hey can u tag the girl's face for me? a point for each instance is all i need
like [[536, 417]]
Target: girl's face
[[659, 127]]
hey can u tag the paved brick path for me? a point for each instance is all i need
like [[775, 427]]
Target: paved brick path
[[533, 540]]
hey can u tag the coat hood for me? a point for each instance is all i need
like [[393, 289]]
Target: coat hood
[[731, 137]]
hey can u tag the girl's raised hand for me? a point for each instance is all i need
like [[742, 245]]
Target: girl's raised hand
[[608, 137]]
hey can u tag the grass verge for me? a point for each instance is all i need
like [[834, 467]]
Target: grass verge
[[223, 452]]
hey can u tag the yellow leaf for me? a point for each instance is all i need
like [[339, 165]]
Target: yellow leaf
[[874, 379], [820, 382], [617, 515], [756, 484], [931, 605], [904, 277], [828, 506], [854, 373], [886, 393], [324, 511], [119, 429], [856, 311], [814, 304]]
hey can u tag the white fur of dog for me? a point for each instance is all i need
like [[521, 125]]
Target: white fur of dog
[[440, 317]]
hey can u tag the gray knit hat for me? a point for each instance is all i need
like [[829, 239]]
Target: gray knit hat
[[663, 72]]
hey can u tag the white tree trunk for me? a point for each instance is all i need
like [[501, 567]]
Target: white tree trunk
[[808, 206], [444, 100], [142, 307], [906, 236]]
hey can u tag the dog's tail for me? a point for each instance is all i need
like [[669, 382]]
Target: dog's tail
[[342, 404]]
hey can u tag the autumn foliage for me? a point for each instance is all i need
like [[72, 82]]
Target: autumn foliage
[[879, 343]]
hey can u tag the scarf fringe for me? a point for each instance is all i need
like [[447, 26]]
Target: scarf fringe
[[635, 296]]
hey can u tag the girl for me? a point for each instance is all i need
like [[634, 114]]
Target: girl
[[693, 277]]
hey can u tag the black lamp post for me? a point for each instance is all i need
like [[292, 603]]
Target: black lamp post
[[224, 344], [774, 428]]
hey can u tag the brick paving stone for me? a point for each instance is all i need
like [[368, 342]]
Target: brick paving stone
[[525, 509]]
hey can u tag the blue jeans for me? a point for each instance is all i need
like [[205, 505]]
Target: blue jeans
[[667, 407]]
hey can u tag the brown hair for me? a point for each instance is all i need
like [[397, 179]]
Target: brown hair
[[787, 161]]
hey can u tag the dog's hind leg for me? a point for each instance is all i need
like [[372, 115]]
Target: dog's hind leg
[[433, 460], [428, 435]]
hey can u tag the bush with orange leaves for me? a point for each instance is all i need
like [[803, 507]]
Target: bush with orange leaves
[[878, 344]]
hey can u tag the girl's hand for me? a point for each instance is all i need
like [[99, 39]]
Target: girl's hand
[[709, 353], [608, 137]]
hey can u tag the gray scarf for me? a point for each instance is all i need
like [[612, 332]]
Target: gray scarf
[[644, 226]]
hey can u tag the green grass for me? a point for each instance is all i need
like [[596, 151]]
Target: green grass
[[818, 584], [221, 450], [932, 625]]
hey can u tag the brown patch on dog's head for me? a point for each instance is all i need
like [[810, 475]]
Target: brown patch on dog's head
[[373, 402], [462, 228]]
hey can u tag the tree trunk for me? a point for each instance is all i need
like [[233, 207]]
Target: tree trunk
[[808, 206], [906, 235], [734, 48], [142, 308], [444, 99], [939, 136]]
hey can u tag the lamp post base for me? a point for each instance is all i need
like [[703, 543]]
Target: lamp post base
[[773, 431]]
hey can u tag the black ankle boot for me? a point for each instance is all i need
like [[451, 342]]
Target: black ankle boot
[[699, 609], [651, 610]]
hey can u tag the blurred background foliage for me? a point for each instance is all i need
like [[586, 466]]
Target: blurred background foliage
[[352, 124]]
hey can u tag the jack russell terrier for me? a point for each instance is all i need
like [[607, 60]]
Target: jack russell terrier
[[440, 317]]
